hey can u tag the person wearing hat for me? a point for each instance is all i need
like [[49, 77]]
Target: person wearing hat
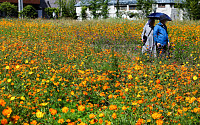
[[160, 36]]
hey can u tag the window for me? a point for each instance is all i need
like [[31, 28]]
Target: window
[[132, 7], [161, 5], [123, 7]]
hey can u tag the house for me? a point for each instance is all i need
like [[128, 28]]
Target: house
[[129, 6], [39, 5]]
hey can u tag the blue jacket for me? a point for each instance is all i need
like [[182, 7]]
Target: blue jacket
[[160, 34]]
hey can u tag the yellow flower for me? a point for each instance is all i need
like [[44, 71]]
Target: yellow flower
[[26, 61], [9, 80], [134, 103], [39, 114], [169, 113], [124, 108], [130, 77], [17, 66], [22, 98], [43, 104], [126, 90], [101, 115], [12, 98], [7, 67], [72, 92], [194, 77]]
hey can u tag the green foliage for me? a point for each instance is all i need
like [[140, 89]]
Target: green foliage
[[8, 8], [192, 7], [29, 11], [98, 8], [71, 8], [130, 14], [49, 11], [95, 8], [67, 8], [145, 6], [104, 11], [83, 12]]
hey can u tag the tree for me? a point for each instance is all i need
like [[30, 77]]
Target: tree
[[104, 10], [49, 11], [95, 8], [145, 6], [71, 8], [192, 7], [29, 11], [83, 12], [9, 9], [67, 8], [117, 7]]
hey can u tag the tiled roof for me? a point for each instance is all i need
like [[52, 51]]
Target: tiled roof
[[122, 2]]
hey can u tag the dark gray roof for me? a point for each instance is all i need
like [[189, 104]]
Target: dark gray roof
[[121, 2]]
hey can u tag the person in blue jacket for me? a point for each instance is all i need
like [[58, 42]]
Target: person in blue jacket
[[160, 36]]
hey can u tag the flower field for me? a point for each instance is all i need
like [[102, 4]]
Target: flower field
[[57, 72]]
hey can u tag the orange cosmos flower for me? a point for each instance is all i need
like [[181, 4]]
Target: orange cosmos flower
[[81, 108], [124, 108], [114, 115], [15, 118], [140, 121], [68, 120], [2, 102], [159, 95], [93, 121], [158, 81], [4, 121], [65, 109], [7, 111], [34, 122], [108, 122], [82, 123], [113, 107], [156, 115], [100, 121], [61, 121], [53, 111], [159, 122], [91, 116], [72, 110]]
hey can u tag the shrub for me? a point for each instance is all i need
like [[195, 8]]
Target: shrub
[[49, 11], [29, 11], [83, 12], [9, 9]]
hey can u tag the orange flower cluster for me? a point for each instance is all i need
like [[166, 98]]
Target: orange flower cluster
[[90, 72]]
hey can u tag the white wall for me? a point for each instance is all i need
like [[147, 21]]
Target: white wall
[[169, 10]]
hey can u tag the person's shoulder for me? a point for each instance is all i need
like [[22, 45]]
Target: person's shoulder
[[156, 26]]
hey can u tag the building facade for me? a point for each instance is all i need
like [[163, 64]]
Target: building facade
[[39, 5], [129, 6]]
